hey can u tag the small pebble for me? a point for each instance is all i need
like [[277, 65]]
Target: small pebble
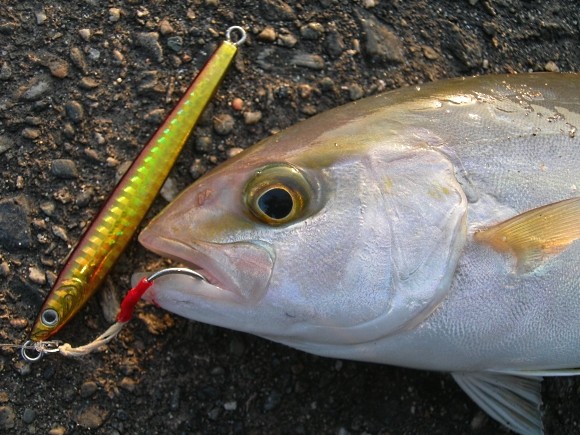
[[28, 415], [334, 43], [36, 275], [312, 61], [60, 232], [112, 162], [276, 10], [197, 169], [165, 27], [304, 90], [88, 83], [150, 42], [58, 67], [326, 84], [175, 399], [40, 17], [272, 401], [74, 111], [7, 417], [217, 371], [84, 197], [78, 59], [237, 104], [64, 168], [175, 43], [223, 124], [99, 138], [430, 53], [48, 208], [19, 323], [87, 389], [91, 417], [267, 35], [128, 384], [312, 31], [214, 414], [30, 133], [68, 130], [4, 268], [287, 39], [551, 67], [5, 71], [169, 190], [23, 369], [114, 15], [36, 88], [355, 92], [309, 109], [203, 144], [381, 43], [478, 421], [118, 57], [58, 430], [231, 406], [251, 118], [94, 54], [155, 116], [85, 34]]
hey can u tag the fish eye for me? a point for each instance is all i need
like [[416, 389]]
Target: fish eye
[[49, 317], [277, 194]]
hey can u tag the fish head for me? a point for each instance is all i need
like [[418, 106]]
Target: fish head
[[328, 233]]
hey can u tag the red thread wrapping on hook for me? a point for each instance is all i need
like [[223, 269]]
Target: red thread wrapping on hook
[[129, 302]]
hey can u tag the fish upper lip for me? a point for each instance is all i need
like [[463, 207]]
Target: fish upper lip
[[195, 256], [168, 247]]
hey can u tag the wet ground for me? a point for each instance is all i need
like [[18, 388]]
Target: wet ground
[[83, 85]]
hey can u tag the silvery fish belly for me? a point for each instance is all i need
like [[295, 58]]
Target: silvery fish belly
[[434, 227]]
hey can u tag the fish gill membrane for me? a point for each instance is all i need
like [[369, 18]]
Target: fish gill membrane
[[434, 227]]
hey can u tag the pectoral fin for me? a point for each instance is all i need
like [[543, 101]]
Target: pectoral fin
[[512, 400], [535, 235]]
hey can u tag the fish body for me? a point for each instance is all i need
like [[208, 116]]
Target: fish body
[[435, 227]]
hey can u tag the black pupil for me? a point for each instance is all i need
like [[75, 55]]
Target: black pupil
[[276, 203]]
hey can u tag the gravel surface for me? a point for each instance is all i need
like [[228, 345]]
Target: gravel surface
[[83, 85]]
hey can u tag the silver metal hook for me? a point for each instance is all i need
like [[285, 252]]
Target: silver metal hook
[[239, 29], [179, 270]]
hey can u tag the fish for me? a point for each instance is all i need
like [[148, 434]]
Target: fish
[[434, 227], [113, 228]]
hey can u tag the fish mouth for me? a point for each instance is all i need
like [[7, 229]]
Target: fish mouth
[[238, 271]]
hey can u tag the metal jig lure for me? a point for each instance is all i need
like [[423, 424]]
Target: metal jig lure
[[33, 351], [112, 229]]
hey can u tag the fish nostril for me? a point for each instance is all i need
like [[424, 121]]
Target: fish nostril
[[203, 196]]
